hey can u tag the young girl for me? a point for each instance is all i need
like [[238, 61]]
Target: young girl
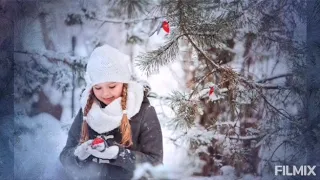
[[116, 127]]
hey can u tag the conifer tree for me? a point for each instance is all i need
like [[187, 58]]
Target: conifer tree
[[248, 110]]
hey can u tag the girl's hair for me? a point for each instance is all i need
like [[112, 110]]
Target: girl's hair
[[125, 126]]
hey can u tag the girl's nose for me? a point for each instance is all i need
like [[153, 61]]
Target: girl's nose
[[105, 94]]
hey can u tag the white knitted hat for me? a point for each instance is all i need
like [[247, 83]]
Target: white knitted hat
[[105, 64]]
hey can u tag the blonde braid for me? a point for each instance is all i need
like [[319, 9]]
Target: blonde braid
[[125, 126], [85, 130]]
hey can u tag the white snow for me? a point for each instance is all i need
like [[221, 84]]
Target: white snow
[[38, 143]]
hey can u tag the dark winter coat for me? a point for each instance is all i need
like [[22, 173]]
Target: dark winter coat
[[147, 147]]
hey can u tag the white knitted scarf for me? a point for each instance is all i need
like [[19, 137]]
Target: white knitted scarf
[[105, 119]]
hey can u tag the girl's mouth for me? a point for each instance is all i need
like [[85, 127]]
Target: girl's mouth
[[107, 99]]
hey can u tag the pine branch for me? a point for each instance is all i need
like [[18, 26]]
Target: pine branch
[[131, 8], [200, 82], [183, 29], [204, 55], [267, 86], [155, 96], [151, 61], [129, 21], [184, 110], [257, 85], [245, 137]]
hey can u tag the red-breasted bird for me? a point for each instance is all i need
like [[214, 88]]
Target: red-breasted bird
[[214, 93], [165, 26], [99, 143], [162, 24]]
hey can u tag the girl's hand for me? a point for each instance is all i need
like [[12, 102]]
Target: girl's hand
[[81, 150], [104, 150]]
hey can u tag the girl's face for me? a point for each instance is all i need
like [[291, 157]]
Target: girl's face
[[107, 92]]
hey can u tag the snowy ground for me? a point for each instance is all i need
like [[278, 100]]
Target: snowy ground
[[38, 143]]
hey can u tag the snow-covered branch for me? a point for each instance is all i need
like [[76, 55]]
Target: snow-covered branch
[[245, 137], [274, 77], [155, 96], [126, 21], [53, 56]]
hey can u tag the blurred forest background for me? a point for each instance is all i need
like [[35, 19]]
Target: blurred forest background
[[251, 54]]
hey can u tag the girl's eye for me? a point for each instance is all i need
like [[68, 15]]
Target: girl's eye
[[97, 88], [112, 87]]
